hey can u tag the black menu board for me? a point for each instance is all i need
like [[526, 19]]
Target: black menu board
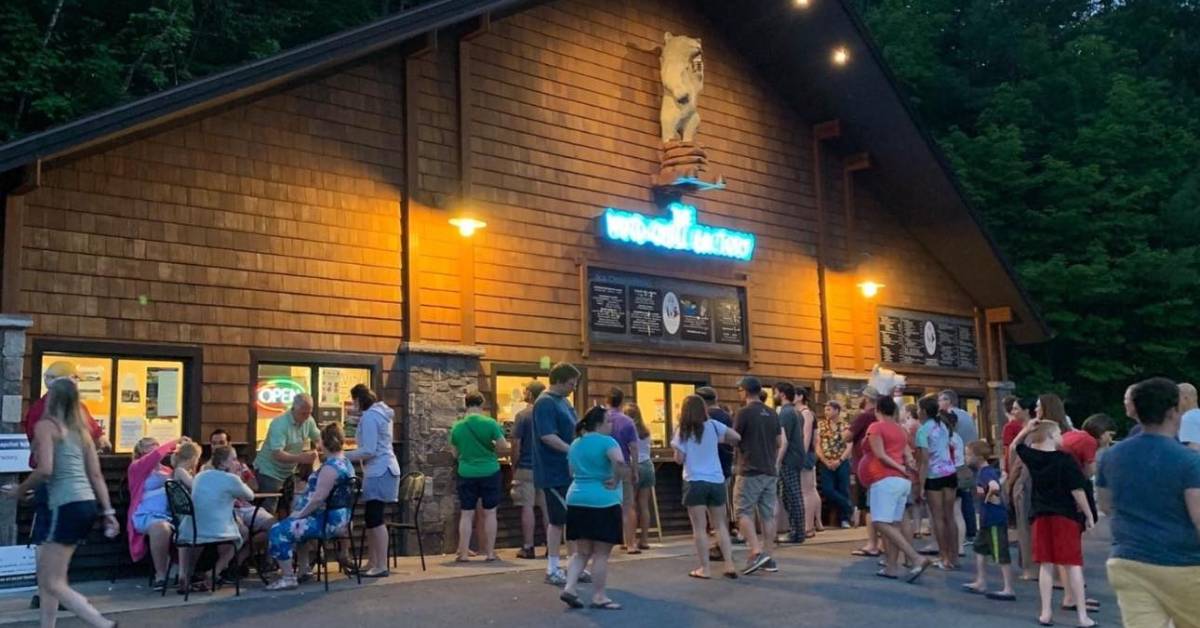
[[913, 338], [607, 307], [636, 311]]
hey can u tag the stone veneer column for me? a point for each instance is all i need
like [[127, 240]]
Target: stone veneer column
[[434, 378], [13, 329]]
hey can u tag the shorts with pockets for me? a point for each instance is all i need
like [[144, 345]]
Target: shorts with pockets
[[887, 498], [645, 475], [485, 489], [524, 492], [710, 494], [992, 543], [756, 492], [556, 505], [69, 524]]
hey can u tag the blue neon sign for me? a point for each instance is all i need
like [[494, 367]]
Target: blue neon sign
[[679, 232]]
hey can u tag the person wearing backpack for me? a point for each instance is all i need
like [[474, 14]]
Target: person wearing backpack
[[475, 439]]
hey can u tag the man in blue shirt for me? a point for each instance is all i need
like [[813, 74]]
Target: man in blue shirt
[[553, 430], [1150, 484]]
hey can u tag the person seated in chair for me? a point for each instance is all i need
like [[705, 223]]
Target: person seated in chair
[[215, 493], [304, 524]]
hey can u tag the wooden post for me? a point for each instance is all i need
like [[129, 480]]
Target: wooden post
[[410, 240], [821, 132]]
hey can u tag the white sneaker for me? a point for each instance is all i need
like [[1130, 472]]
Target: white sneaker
[[558, 578]]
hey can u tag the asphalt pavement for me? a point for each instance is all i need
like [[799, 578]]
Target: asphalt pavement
[[817, 585]]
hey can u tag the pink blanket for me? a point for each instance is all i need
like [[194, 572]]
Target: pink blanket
[[139, 471]]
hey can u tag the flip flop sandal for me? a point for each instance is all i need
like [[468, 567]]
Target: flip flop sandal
[[883, 574], [696, 573], [607, 605], [570, 599], [916, 572], [970, 589], [461, 559], [1045, 623], [633, 551], [865, 554], [732, 575], [643, 546], [1003, 597]]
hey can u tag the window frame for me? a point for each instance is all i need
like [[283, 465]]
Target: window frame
[[192, 357], [667, 378], [311, 359], [527, 369]]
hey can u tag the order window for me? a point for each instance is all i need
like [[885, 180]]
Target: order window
[[329, 386], [510, 396], [131, 398], [660, 402]]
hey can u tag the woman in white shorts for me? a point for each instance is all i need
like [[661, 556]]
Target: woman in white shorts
[[883, 470]]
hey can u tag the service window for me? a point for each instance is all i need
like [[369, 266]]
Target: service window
[[660, 400], [329, 385], [130, 397], [508, 386]]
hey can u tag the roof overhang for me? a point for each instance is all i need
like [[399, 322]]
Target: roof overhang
[[909, 172]]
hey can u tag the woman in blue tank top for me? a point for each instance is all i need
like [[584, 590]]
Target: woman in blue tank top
[[70, 468]]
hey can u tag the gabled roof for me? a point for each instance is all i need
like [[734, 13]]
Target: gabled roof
[[790, 46]]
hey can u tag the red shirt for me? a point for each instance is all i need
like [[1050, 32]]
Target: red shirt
[[35, 414], [858, 431], [1082, 447], [894, 442], [1011, 429]]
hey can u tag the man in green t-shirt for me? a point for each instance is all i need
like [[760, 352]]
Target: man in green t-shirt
[[475, 440], [284, 447]]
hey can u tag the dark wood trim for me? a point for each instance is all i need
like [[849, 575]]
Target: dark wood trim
[[668, 378], [191, 355], [465, 103], [10, 275], [410, 327], [585, 338], [313, 359], [821, 132]]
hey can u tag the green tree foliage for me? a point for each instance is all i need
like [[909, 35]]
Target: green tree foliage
[[1074, 126], [61, 59]]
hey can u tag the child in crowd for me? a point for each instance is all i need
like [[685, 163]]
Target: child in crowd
[[184, 460], [992, 540], [1060, 513]]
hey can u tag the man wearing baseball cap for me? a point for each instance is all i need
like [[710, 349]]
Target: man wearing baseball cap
[[760, 453]]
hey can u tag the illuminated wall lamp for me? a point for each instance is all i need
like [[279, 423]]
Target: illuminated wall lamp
[[869, 288], [467, 226], [803, 4], [841, 56]]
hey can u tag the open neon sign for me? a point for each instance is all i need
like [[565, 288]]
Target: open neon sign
[[276, 395], [679, 232]]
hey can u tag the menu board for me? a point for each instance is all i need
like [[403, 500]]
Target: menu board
[[913, 338], [639, 310]]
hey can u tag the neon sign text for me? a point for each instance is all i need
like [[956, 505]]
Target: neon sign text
[[679, 232], [276, 395]]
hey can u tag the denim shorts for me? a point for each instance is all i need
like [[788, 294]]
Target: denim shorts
[[69, 524]]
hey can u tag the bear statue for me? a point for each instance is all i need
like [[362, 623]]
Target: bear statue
[[682, 71]]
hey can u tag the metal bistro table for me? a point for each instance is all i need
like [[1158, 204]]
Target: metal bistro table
[[259, 498]]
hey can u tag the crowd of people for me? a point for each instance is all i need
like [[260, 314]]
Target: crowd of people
[[591, 477]]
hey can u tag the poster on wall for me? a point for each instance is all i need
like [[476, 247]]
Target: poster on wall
[[912, 338], [665, 313], [149, 402]]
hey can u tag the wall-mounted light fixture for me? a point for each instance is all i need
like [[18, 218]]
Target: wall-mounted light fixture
[[467, 226], [841, 56], [869, 288]]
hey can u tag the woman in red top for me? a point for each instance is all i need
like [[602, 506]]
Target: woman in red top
[[885, 468]]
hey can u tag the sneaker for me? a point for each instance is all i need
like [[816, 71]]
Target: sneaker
[[770, 566], [738, 540], [585, 576], [795, 538], [558, 578], [526, 553], [283, 584], [754, 563], [845, 525]]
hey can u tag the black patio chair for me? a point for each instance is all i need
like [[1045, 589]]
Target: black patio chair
[[344, 495], [180, 503], [412, 491]]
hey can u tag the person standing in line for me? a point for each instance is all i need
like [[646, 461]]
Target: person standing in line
[[760, 455], [1155, 561], [291, 441], [856, 434], [938, 480], [1018, 486], [1012, 427], [1060, 513], [625, 433], [645, 481], [965, 481], [381, 474], [525, 494], [553, 430], [1189, 420], [834, 457], [704, 496], [808, 467], [75, 496], [724, 452], [593, 503], [885, 472], [992, 540], [968, 432], [475, 440], [914, 513], [793, 460]]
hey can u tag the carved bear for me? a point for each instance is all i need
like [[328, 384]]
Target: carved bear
[[682, 71]]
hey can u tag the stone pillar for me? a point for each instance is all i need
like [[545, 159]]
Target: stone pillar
[[13, 329], [434, 378], [997, 391]]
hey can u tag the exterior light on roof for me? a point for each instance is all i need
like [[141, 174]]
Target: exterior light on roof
[[803, 4], [869, 288], [467, 226], [841, 56]]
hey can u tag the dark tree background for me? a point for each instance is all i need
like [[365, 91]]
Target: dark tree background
[[1074, 126]]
